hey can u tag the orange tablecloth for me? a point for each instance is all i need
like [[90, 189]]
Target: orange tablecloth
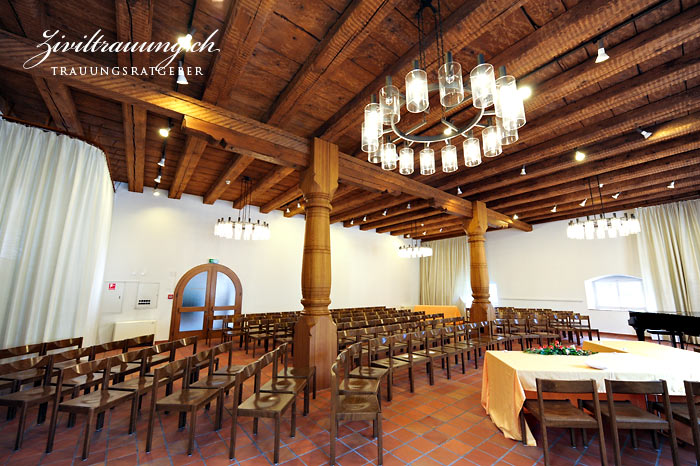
[[449, 311], [508, 375]]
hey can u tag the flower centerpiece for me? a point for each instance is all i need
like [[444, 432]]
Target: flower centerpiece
[[558, 348]]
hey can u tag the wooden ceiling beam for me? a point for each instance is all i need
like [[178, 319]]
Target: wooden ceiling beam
[[377, 218], [416, 229], [244, 24], [296, 210], [134, 24], [283, 199], [451, 232], [407, 220], [226, 126], [437, 229], [613, 182], [359, 209], [235, 168], [465, 24], [270, 179], [356, 23], [59, 102]]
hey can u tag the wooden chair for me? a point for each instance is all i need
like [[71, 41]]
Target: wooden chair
[[692, 391], [262, 334], [412, 340], [225, 380], [353, 407], [187, 400], [625, 415], [94, 404], [236, 328], [561, 413], [291, 385], [212, 328], [40, 395], [62, 344], [458, 345], [369, 371], [142, 384], [265, 405], [433, 351], [542, 330], [21, 351], [307, 373], [391, 364]]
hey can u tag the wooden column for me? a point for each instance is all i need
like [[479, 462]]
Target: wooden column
[[479, 272], [315, 338]]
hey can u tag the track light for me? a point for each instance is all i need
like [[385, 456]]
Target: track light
[[165, 132], [601, 185], [515, 216], [583, 203], [181, 79], [554, 209], [298, 205], [523, 172], [579, 156], [424, 233], [645, 133], [602, 56], [440, 230], [185, 41], [286, 211], [459, 191], [616, 195], [408, 206], [384, 213], [525, 92], [672, 185], [161, 162], [422, 224], [352, 221], [364, 219], [157, 178]]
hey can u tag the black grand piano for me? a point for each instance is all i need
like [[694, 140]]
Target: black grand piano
[[664, 323]]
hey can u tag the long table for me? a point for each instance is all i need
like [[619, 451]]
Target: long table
[[509, 375]]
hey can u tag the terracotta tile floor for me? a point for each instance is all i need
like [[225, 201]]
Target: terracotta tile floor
[[439, 425]]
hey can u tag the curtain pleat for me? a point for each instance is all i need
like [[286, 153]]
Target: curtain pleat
[[55, 213], [669, 251], [444, 277]]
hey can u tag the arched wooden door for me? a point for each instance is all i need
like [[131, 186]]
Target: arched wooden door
[[203, 292]]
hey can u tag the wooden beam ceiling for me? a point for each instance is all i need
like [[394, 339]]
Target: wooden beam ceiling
[[283, 199], [134, 24], [238, 164], [59, 102], [272, 178]]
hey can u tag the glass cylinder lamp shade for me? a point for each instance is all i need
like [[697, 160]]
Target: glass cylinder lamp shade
[[389, 157], [492, 141], [390, 104], [483, 84], [427, 161], [373, 120], [374, 156], [416, 91], [472, 152], [509, 103], [450, 83], [449, 158], [508, 136], [370, 142], [406, 161]]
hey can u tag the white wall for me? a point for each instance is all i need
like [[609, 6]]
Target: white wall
[[156, 239], [545, 269]]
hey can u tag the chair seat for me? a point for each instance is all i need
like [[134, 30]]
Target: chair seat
[[229, 370], [139, 384], [103, 399], [27, 376], [357, 404], [284, 385], [630, 416], [297, 372], [368, 372], [430, 353], [561, 413], [194, 397], [215, 381], [416, 357], [367, 386], [36, 394], [391, 362], [680, 411], [271, 402]]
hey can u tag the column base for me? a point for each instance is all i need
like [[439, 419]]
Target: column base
[[316, 345], [481, 311]]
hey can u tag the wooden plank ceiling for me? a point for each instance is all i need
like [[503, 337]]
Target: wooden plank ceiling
[[309, 67]]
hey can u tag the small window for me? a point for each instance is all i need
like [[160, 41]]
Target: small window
[[616, 292]]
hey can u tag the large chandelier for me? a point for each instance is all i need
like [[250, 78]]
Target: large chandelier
[[500, 124], [242, 229], [602, 226], [414, 249]]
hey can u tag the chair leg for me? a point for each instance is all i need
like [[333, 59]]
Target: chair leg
[[635, 444], [616, 445], [277, 440], [572, 435], [523, 435], [334, 433], [52, 425], [88, 433], [41, 417], [307, 389], [234, 422], [380, 445], [545, 443], [314, 381], [193, 425], [410, 378], [219, 410], [134, 413], [20, 426]]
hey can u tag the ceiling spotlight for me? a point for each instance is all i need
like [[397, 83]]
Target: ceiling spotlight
[[602, 56], [644, 133], [579, 156], [616, 195], [227, 181], [459, 190], [352, 222], [165, 132], [672, 185], [525, 92], [408, 206], [523, 172], [384, 213], [601, 185], [422, 224], [515, 216], [157, 179], [408, 235], [424, 233], [583, 203], [554, 209], [364, 219], [286, 211], [440, 230], [161, 162], [298, 205], [448, 131], [181, 79], [185, 41]]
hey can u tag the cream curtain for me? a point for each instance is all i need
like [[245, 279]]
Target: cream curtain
[[444, 277], [669, 251], [55, 212]]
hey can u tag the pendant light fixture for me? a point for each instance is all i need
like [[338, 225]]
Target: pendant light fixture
[[406, 162], [243, 228], [383, 114]]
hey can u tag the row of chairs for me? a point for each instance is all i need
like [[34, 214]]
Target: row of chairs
[[570, 325], [589, 414], [40, 349]]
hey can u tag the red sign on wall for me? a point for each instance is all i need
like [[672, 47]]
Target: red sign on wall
[[111, 286], [170, 296]]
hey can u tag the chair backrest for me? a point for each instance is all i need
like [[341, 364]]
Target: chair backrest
[[646, 388], [139, 342], [74, 354], [122, 360], [200, 358], [39, 362], [106, 348], [264, 361], [171, 371], [62, 344], [692, 392], [86, 368], [185, 342], [25, 350], [566, 386], [218, 350]]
